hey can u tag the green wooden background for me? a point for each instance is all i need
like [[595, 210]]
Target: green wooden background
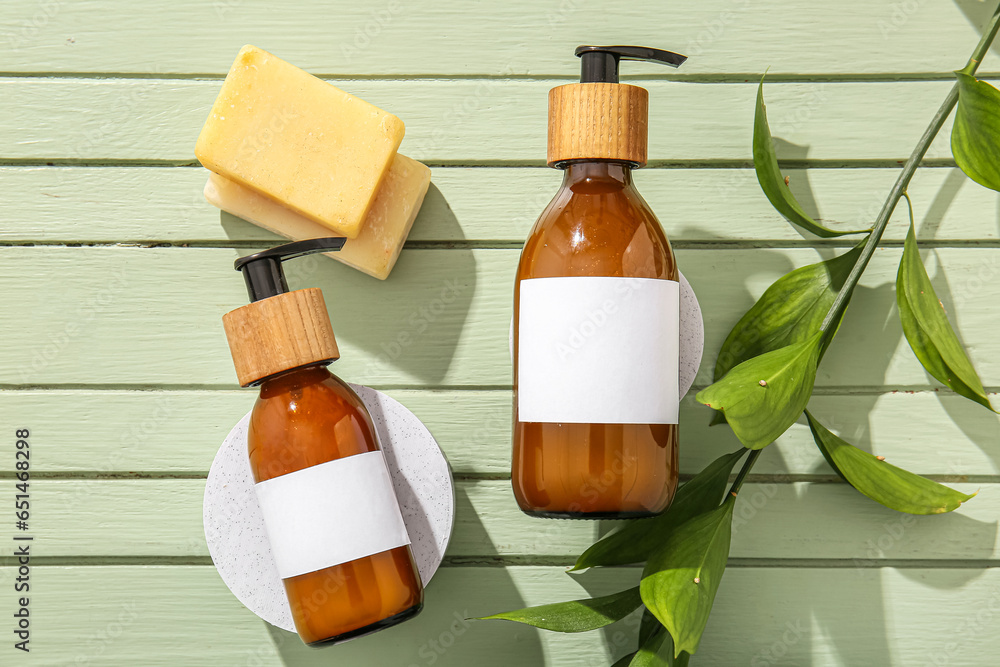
[[115, 274]]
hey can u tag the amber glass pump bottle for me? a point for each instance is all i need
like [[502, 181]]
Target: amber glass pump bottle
[[596, 305], [330, 512]]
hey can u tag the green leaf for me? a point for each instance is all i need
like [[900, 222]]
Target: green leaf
[[765, 162], [763, 396], [790, 311], [648, 626], [975, 137], [656, 647], [641, 537], [883, 482], [654, 651], [576, 615], [927, 329], [625, 660], [680, 580]]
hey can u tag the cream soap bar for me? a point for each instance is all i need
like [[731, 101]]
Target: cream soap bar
[[300, 141], [375, 249]]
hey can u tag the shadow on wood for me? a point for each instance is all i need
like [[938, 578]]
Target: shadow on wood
[[417, 313]]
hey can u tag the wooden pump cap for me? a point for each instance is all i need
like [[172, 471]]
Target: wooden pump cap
[[598, 121], [279, 333]]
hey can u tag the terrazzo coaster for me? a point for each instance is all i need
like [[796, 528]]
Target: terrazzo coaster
[[692, 334], [234, 525], [692, 337]]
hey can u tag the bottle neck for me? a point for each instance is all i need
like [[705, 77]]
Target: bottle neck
[[587, 175], [294, 378]]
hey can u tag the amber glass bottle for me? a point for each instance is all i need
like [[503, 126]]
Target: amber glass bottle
[[597, 225], [596, 307], [304, 418], [323, 487]]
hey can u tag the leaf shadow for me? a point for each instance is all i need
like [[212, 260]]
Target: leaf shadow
[[870, 325], [978, 13], [896, 546], [798, 178], [928, 227], [738, 293], [979, 425], [620, 638]]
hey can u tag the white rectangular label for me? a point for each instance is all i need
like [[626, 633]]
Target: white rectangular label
[[598, 350], [331, 513]]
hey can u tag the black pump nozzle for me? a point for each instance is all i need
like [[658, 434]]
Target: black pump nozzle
[[599, 64], [262, 270]]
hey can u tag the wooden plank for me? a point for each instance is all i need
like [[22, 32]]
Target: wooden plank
[[143, 316], [178, 432], [482, 121], [112, 518], [482, 204], [163, 616], [421, 37]]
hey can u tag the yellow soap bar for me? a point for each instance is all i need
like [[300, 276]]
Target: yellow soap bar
[[375, 249], [300, 141]]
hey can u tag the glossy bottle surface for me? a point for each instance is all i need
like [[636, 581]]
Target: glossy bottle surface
[[597, 225], [304, 418]]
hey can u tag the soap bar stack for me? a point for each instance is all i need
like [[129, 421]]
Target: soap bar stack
[[303, 159]]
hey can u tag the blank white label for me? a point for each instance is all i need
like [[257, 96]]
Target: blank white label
[[331, 513], [597, 350]]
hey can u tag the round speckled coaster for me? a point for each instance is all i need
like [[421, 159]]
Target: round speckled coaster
[[234, 526], [692, 337], [692, 332]]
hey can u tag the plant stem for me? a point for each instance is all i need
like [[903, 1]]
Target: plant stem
[[984, 44], [742, 474], [844, 295]]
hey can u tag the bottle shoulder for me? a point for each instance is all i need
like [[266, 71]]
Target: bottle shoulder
[[299, 425], [609, 232]]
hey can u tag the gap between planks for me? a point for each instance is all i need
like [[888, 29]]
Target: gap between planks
[[711, 163], [701, 77], [538, 561], [845, 390], [499, 244], [754, 478]]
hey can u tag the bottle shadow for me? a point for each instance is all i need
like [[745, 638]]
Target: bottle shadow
[[407, 328]]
